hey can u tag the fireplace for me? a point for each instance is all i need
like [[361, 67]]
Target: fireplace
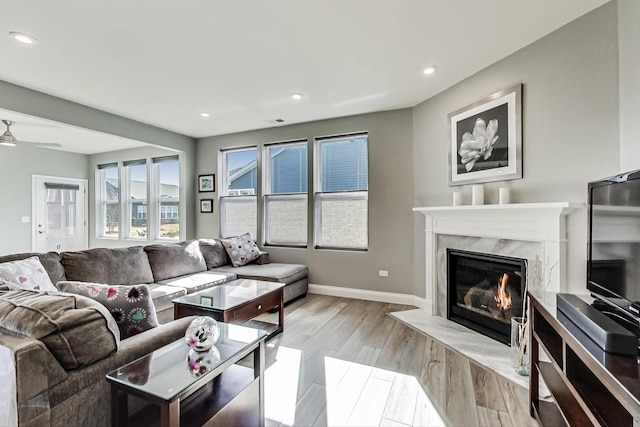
[[485, 291]]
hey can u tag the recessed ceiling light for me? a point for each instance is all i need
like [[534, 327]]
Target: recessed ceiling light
[[297, 96], [22, 38], [430, 69], [205, 114]]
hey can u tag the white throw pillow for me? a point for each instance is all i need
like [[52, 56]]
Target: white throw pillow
[[27, 273], [241, 249]]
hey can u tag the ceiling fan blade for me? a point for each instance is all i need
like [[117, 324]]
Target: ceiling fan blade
[[7, 138], [39, 144]]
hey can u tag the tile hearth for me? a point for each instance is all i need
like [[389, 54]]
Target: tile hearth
[[487, 352]]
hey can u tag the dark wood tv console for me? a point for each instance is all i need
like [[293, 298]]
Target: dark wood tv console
[[587, 385]]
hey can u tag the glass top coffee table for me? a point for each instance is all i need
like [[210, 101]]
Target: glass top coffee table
[[183, 382], [238, 301]]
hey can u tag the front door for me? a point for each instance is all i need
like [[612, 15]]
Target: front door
[[59, 214]]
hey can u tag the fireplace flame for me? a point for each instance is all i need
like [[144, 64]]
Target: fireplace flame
[[503, 299]]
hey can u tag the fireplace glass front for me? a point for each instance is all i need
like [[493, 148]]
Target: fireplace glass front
[[485, 291]]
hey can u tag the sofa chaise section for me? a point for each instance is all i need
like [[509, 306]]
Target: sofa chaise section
[[294, 276]]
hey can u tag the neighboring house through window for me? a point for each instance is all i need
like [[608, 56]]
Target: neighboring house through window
[[108, 215], [341, 214], [285, 194], [167, 195], [149, 199], [341, 192], [135, 172], [239, 190]]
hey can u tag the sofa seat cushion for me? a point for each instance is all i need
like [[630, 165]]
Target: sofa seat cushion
[[117, 266], [76, 330], [163, 295], [130, 306], [198, 281], [52, 262], [175, 259], [274, 272]]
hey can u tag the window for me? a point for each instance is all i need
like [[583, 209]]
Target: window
[[167, 196], [341, 192], [136, 206], [149, 198], [239, 189], [285, 194], [108, 200]]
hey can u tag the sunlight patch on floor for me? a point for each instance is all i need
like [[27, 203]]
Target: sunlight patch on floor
[[361, 395], [344, 394], [281, 387]]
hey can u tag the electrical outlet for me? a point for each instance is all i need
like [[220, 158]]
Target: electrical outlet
[[26, 219], [383, 273]]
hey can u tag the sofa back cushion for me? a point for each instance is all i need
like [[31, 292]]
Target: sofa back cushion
[[130, 306], [175, 259], [76, 330], [51, 261], [215, 255], [119, 266]]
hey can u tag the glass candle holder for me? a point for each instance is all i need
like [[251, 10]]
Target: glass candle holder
[[202, 333], [520, 345]]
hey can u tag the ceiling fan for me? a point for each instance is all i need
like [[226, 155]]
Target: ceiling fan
[[7, 138]]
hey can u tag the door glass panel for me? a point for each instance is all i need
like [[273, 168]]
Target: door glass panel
[[61, 219]]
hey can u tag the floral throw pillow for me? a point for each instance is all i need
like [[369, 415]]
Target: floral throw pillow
[[241, 249], [26, 273], [131, 306]]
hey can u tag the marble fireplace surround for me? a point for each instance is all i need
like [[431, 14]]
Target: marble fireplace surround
[[521, 230]]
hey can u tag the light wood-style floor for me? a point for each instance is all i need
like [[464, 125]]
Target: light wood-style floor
[[344, 362]]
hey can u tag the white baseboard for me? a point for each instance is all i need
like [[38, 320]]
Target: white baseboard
[[388, 297]]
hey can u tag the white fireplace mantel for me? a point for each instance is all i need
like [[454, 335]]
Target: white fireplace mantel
[[537, 222]]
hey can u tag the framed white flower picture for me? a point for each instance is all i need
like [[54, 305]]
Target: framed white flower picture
[[486, 139]]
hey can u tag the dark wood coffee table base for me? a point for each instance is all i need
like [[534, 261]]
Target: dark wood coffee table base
[[241, 314]]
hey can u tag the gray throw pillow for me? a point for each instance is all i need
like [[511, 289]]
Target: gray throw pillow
[[241, 249], [214, 253], [131, 306]]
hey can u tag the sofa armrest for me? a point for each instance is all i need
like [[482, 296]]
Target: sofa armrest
[[151, 340], [36, 371]]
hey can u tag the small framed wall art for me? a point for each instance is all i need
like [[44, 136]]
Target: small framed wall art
[[486, 139], [206, 206], [206, 183]]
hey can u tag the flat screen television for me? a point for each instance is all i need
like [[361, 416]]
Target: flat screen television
[[613, 259]]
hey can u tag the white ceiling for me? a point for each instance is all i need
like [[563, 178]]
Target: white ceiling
[[162, 62]]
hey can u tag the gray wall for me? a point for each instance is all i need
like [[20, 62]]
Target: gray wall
[[17, 165], [629, 37], [570, 122], [390, 201]]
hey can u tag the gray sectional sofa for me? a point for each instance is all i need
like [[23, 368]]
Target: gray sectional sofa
[[49, 391]]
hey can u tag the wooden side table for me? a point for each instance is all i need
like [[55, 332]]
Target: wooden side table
[[238, 301]]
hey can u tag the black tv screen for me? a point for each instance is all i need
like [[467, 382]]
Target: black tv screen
[[613, 261]]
